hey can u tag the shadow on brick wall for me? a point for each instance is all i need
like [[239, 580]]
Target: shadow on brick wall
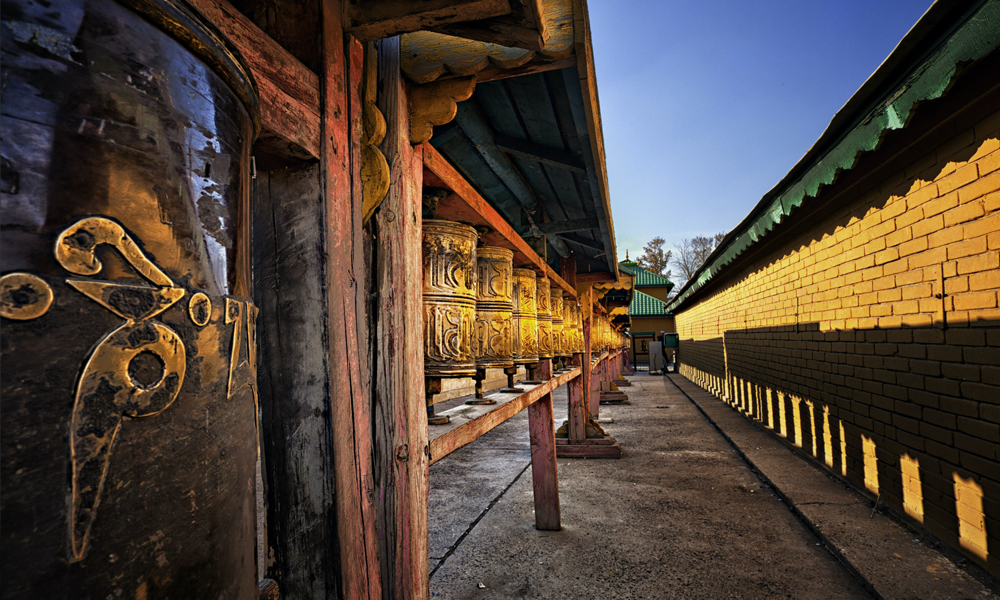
[[910, 414]]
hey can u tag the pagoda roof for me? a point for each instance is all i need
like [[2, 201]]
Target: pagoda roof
[[644, 305], [644, 277]]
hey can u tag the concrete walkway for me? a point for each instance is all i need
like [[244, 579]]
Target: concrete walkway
[[681, 516]]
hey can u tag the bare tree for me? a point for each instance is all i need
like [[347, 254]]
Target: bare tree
[[692, 253], [654, 258]]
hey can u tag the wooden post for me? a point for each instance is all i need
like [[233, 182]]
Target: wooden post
[[544, 473], [577, 409], [400, 429], [350, 403]]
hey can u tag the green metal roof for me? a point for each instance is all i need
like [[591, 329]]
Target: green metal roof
[[921, 68], [644, 278], [644, 305]]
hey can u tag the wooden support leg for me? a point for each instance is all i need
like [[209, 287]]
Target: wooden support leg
[[510, 372], [480, 398], [577, 409], [533, 375], [544, 473], [434, 387]]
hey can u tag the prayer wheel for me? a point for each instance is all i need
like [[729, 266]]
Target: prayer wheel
[[543, 294], [449, 258], [560, 347], [129, 417], [525, 322], [576, 330], [494, 345]]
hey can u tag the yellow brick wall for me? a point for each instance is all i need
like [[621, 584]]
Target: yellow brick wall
[[839, 340]]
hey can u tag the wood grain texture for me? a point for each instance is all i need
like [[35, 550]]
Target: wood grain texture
[[544, 470], [293, 381], [577, 411], [373, 20], [466, 205], [349, 374], [470, 431], [289, 91], [399, 415]]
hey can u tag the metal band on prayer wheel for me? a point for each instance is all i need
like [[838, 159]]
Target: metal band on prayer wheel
[[494, 340], [543, 291], [129, 418], [449, 257], [525, 318]]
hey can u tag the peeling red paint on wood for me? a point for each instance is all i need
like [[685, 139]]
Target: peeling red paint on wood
[[401, 462], [350, 413], [466, 433], [544, 469]]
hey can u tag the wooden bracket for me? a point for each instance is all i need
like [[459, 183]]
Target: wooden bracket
[[436, 104]]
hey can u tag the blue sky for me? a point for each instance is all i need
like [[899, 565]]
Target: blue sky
[[706, 105]]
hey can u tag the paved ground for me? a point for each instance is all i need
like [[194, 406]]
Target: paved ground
[[683, 515]]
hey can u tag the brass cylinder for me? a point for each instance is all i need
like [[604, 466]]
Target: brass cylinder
[[525, 314], [558, 333], [543, 294], [493, 340], [128, 388], [449, 257]]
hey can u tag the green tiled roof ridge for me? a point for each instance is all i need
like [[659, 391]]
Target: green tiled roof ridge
[[644, 305], [643, 277], [927, 79]]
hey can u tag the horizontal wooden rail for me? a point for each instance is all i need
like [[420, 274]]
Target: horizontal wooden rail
[[466, 205], [468, 432], [289, 91]]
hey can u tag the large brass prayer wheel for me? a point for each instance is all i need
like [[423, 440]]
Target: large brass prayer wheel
[[525, 318], [449, 258], [129, 419], [494, 340], [543, 295]]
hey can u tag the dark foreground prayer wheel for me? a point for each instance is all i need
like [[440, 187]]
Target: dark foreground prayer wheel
[[128, 427]]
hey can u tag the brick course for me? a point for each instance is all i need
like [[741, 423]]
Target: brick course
[[842, 331]]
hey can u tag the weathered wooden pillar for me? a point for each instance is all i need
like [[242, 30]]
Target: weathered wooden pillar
[[400, 429], [544, 469], [578, 410], [350, 412]]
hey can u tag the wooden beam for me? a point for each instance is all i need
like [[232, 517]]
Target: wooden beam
[[556, 157], [466, 205], [289, 91], [544, 469], [350, 403], [525, 27], [592, 109], [448, 442], [399, 413], [370, 20], [598, 277], [580, 241]]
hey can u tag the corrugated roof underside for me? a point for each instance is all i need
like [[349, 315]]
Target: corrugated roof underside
[[544, 109]]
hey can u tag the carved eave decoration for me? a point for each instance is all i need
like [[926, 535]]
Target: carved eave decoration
[[428, 55], [446, 68]]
